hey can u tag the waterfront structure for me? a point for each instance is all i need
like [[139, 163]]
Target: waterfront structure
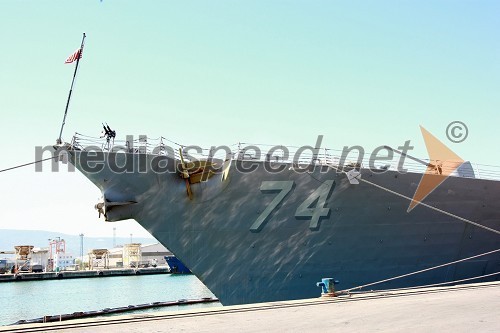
[[40, 256], [132, 255], [63, 261], [98, 258]]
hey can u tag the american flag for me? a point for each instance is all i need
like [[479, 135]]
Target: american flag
[[76, 55]]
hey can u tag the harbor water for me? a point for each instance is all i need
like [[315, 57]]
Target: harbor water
[[34, 299]]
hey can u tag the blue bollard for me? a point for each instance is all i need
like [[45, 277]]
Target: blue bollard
[[327, 287]]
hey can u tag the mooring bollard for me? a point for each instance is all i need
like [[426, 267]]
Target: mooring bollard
[[327, 287]]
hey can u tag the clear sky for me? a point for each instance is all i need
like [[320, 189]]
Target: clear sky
[[220, 72]]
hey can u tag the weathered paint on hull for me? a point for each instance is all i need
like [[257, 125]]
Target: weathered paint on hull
[[366, 236]]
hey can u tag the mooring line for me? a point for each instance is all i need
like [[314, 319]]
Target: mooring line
[[26, 164], [418, 272], [421, 203]]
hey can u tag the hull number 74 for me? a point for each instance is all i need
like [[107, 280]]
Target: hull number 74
[[312, 208]]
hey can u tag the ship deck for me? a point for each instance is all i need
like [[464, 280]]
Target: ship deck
[[463, 308]]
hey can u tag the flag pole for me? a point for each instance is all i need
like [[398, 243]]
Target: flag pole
[[59, 140]]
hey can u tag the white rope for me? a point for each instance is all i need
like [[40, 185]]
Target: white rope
[[420, 271], [432, 285], [26, 164], [422, 203], [432, 207]]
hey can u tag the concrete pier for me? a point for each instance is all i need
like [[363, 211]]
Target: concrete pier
[[465, 308]]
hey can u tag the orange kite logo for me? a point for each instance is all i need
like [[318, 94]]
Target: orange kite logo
[[443, 162]]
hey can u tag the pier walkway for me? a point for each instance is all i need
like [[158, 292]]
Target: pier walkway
[[465, 308]]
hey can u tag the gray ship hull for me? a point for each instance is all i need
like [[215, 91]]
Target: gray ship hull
[[363, 234]]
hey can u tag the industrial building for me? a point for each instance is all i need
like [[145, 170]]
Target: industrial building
[[135, 255], [40, 256], [55, 257]]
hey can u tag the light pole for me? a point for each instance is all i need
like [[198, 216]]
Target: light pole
[[81, 249]]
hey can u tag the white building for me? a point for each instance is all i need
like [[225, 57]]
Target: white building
[[155, 252], [63, 260], [40, 256], [150, 254]]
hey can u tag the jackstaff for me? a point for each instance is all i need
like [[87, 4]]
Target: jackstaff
[[77, 55]]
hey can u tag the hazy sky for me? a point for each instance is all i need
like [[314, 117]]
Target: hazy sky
[[221, 72]]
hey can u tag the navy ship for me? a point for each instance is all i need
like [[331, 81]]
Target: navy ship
[[176, 266], [257, 227]]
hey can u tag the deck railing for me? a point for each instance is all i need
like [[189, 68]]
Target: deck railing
[[273, 153]]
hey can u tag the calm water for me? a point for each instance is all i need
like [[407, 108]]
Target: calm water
[[33, 299]]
